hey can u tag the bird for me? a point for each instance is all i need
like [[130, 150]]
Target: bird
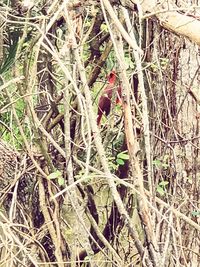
[[105, 100]]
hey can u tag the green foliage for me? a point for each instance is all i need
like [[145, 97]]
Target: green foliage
[[163, 64], [7, 118], [111, 61], [57, 175], [161, 187], [118, 107], [195, 213], [10, 130], [120, 161], [104, 27], [161, 163], [121, 157], [129, 62], [113, 165], [10, 54]]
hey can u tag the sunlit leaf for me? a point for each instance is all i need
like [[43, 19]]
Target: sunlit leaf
[[122, 155], [120, 161], [160, 190], [61, 180], [54, 175], [163, 183], [157, 162]]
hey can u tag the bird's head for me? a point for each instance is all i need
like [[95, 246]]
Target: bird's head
[[112, 77]]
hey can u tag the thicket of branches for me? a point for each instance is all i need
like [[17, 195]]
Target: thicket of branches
[[126, 192]]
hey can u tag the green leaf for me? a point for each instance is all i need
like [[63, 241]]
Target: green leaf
[[163, 183], [122, 155], [195, 213], [104, 27], [165, 166], [118, 107], [160, 190], [120, 161], [157, 162], [129, 63], [54, 175], [61, 180]]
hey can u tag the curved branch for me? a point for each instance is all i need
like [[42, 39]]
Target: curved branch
[[180, 24]]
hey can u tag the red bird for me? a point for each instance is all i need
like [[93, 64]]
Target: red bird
[[105, 99]]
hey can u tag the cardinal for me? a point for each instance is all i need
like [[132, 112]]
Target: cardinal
[[104, 104]]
